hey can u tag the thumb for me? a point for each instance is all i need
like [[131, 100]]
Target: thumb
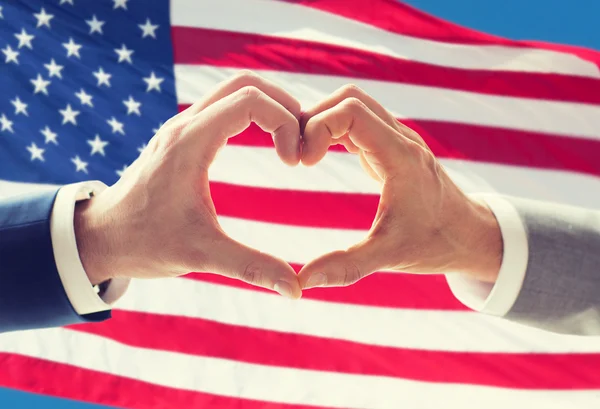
[[235, 260], [340, 268]]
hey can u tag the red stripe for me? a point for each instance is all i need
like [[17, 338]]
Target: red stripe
[[67, 381], [396, 17], [390, 290], [257, 346], [258, 52], [483, 144], [292, 207]]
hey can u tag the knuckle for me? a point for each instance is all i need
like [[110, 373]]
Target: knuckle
[[252, 274], [351, 273], [245, 76], [351, 91], [354, 105], [250, 92]]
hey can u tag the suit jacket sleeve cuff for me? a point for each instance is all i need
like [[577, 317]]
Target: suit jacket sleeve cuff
[[83, 296], [497, 299]]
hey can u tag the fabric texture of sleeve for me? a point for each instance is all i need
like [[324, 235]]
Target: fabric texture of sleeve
[[31, 291], [83, 296], [497, 299]]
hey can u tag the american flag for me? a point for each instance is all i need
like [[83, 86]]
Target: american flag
[[85, 84]]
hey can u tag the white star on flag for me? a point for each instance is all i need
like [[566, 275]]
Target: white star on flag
[[20, 106], [69, 115], [40, 84], [120, 4], [121, 171], [148, 29], [1, 15], [141, 148], [117, 127], [102, 77], [54, 69], [155, 130], [153, 82], [6, 124], [133, 106], [25, 39], [84, 98], [49, 135], [97, 145], [80, 166], [124, 54], [95, 25], [10, 54], [36, 153], [43, 19], [72, 48], [66, 2]]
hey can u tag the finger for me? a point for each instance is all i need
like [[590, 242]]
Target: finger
[[343, 93], [242, 79], [209, 130], [312, 147], [348, 144], [340, 268], [235, 260], [367, 167], [346, 92], [382, 145]]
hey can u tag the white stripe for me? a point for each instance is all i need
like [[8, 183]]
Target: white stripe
[[414, 101], [281, 19], [392, 327], [270, 383], [341, 172]]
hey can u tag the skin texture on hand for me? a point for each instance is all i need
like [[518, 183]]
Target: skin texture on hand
[[424, 223], [159, 219]]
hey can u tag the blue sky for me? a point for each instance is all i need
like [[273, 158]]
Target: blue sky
[[547, 20]]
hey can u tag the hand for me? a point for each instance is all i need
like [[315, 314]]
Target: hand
[[424, 223], [159, 218]]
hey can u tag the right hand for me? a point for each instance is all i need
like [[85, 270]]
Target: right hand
[[159, 219], [424, 224]]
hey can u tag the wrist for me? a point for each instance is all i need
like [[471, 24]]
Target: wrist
[[93, 244], [482, 239]]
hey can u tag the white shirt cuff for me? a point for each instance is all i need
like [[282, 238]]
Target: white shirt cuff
[[497, 299], [79, 289]]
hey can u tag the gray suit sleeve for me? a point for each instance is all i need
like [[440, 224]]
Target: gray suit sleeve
[[561, 288]]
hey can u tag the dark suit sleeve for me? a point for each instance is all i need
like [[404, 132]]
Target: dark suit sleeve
[[31, 291]]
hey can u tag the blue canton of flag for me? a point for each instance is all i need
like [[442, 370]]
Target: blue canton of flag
[[84, 85]]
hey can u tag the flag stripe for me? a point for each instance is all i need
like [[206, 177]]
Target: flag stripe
[[286, 20], [415, 101], [482, 144], [27, 374], [341, 173], [314, 209], [403, 19], [259, 52], [264, 347], [391, 327], [248, 381]]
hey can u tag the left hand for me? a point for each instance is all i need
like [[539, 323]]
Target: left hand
[[159, 220], [424, 223]]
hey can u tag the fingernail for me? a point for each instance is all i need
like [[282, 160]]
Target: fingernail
[[284, 289], [316, 280]]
